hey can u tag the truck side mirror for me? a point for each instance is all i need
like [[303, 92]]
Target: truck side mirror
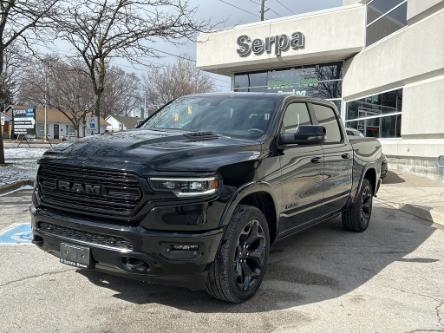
[[305, 135], [139, 122]]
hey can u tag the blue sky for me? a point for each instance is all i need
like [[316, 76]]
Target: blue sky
[[220, 11]]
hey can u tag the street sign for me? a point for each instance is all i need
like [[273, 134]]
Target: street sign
[[91, 123]]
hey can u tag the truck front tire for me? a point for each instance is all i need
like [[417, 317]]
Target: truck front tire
[[356, 216], [239, 268]]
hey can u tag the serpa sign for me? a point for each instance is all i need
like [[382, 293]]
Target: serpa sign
[[278, 44]]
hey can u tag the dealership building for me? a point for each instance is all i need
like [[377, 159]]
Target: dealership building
[[380, 61]]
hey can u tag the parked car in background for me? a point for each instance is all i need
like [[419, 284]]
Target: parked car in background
[[202, 189], [354, 132]]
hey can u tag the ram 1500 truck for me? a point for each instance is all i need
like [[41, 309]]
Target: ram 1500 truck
[[202, 189]]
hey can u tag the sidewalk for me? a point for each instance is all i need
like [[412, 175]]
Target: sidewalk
[[415, 195]]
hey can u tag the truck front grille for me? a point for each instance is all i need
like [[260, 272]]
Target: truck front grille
[[84, 237], [84, 190]]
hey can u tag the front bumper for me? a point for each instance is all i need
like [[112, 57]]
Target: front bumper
[[157, 249]]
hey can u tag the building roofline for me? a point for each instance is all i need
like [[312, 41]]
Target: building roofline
[[287, 18]]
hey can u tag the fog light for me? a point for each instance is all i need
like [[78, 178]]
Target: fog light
[[184, 247]]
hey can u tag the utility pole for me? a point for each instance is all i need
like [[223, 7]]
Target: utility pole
[[46, 104], [262, 10]]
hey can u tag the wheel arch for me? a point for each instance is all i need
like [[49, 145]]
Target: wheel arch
[[370, 174], [258, 195]]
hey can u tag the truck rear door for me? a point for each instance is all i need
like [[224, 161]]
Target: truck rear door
[[337, 159]]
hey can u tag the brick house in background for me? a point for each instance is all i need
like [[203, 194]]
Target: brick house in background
[[5, 124]]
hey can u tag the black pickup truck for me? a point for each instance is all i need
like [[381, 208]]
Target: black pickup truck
[[198, 193]]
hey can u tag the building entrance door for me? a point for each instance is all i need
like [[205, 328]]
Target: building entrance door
[[56, 131]]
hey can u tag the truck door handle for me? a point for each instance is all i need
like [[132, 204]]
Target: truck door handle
[[316, 160], [346, 156]]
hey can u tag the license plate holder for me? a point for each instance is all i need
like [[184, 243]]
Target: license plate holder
[[75, 255]]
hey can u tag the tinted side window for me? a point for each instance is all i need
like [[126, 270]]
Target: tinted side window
[[326, 117], [296, 115]]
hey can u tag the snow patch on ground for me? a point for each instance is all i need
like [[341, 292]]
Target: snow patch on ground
[[22, 164], [23, 153]]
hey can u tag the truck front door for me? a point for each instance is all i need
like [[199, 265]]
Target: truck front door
[[300, 186]]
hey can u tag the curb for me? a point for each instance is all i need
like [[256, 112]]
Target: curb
[[426, 213], [15, 185]]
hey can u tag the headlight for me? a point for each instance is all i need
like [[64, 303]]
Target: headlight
[[187, 187]]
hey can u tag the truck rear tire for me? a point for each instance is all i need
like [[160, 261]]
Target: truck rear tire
[[357, 215], [239, 267]]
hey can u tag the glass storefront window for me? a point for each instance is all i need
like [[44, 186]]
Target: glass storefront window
[[376, 116], [258, 81], [324, 81], [241, 82], [384, 18], [376, 105], [338, 104], [376, 8]]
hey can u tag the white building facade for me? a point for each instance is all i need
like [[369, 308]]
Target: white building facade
[[380, 61]]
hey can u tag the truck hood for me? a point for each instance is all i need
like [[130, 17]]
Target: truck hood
[[175, 151]]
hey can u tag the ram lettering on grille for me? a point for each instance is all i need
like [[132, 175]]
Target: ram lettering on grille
[[79, 188]]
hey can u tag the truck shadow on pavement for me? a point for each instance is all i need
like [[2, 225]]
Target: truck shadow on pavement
[[393, 178], [316, 265]]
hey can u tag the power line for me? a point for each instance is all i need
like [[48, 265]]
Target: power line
[[174, 55], [285, 6], [266, 8], [272, 10], [242, 9]]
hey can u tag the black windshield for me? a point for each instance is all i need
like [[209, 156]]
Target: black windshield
[[236, 116]]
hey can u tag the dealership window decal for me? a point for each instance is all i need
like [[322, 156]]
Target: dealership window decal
[[323, 81]]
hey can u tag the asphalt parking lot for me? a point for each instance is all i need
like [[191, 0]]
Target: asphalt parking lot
[[388, 279]]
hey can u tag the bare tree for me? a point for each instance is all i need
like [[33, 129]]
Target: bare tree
[[122, 92], [161, 85], [31, 88], [102, 29], [20, 21], [14, 64], [68, 88], [70, 91]]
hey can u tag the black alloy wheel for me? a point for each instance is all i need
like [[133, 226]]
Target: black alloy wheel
[[357, 215], [249, 255], [239, 267], [366, 205]]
